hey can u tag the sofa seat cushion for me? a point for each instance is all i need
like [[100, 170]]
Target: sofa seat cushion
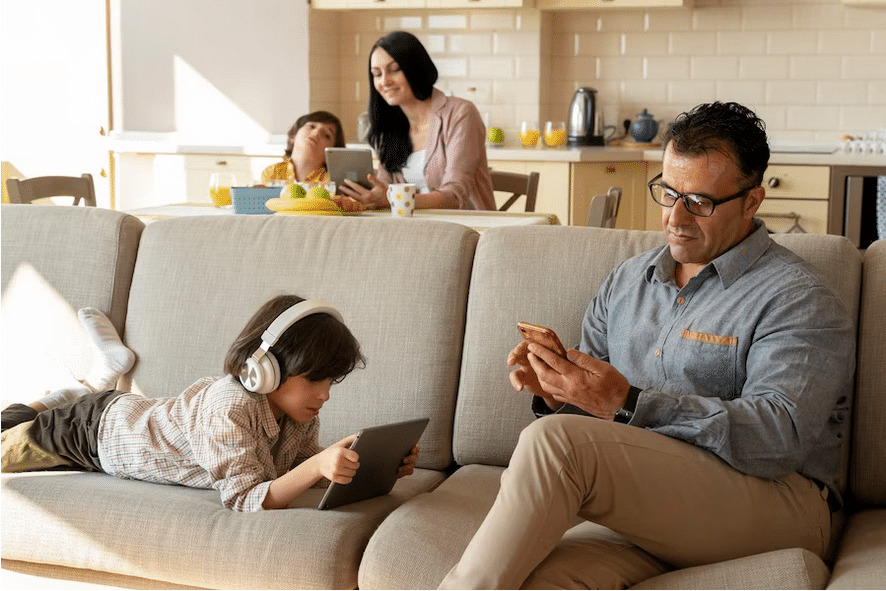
[[422, 540], [861, 555], [185, 536]]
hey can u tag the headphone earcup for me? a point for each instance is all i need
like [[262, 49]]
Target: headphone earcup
[[262, 376]]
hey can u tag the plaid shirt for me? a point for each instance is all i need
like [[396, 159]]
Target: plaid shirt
[[214, 435]]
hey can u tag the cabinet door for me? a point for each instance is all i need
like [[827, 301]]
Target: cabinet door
[[362, 4], [618, 4], [480, 3], [199, 169], [591, 178], [553, 185], [653, 209]]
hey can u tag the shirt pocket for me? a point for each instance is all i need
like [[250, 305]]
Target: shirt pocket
[[710, 363]]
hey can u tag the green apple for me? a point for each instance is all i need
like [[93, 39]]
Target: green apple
[[293, 191], [318, 193], [495, 135]]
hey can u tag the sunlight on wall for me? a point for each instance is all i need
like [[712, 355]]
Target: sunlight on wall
[[40, 351], [204, 112]]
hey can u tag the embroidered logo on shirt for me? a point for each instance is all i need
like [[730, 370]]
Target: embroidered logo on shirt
[[713, 339]]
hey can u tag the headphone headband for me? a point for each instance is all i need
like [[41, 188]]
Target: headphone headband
[[292, 315]]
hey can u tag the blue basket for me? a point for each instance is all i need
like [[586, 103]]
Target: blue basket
[[251, 200]]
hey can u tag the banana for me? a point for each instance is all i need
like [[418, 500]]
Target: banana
[[304, 205]]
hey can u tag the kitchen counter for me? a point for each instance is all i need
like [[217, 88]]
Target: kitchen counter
[[273, 146]]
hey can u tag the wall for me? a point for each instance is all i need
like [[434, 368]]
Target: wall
[[813, 69], [219, 71]]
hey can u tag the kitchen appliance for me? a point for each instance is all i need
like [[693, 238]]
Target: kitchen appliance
[[864, 203], [585, 121]]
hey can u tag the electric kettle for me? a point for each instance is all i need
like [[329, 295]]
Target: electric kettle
[[584, 119]]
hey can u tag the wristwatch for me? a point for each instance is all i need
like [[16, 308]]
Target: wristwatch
[[626, 413]]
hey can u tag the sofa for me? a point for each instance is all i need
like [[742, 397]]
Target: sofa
[[435, 307]]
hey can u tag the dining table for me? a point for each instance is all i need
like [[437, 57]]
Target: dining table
[[478, 220]]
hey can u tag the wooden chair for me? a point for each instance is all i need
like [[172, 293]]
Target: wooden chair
[[604, 209], [518, 185], [27, 190]]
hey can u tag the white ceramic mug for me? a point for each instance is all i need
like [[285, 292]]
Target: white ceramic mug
[[401, 196]]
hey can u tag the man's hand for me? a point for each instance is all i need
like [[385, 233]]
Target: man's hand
[[407, 466], [337, 462], [580, 380], [525, 377]]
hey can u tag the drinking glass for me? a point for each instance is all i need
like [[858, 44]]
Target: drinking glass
[[555, 133], [529, 134], [220, 184]]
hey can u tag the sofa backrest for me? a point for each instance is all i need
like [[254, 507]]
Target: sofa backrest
[[55, 261], [867, 474], [547, 275], [401, 286]]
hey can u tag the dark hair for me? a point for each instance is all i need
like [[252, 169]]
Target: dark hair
[[388, 126], [718, 126], [318, 346], [317, 117]]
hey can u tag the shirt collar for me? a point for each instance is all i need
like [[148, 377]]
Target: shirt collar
[[729, 266]]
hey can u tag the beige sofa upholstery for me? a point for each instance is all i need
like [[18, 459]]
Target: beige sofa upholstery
[[434, 306]]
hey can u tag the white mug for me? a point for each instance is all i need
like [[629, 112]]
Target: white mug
[[401, 196]]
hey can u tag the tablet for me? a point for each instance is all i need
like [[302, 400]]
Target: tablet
[[351, 164], [381, 450]]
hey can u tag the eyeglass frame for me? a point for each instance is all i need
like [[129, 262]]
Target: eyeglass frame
[[684, 197]]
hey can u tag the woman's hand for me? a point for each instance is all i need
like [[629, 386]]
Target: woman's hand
[[374, 198], [407, 466]]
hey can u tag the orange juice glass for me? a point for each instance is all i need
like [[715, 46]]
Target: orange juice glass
[[529, 134]]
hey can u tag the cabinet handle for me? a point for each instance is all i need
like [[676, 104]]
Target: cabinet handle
[[609, 169], [221, 163], [773, 182]]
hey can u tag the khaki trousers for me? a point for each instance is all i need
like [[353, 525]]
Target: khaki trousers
[[672, 500]]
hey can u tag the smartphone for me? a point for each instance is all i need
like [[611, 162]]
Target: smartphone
[[543, 336]]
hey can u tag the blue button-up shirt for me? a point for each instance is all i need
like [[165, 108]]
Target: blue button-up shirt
[[753, 359]]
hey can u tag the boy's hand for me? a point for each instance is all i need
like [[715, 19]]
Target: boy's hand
[[407, 467], [338, 463]]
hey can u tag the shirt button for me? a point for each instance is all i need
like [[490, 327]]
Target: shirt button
[[658, 352], [681, 300]]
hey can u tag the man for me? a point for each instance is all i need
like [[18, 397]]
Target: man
[[700, 417]]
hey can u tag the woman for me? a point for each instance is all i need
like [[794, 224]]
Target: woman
[[421, 136], [305, 156]]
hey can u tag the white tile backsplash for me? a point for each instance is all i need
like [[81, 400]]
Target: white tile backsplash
[[814, 69]]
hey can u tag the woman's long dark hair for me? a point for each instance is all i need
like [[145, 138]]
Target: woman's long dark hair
[[389, 128]]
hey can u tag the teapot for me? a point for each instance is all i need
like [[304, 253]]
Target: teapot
[[644, 128]]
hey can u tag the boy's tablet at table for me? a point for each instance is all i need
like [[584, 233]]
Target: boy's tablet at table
[[352, 164], [381, 450]]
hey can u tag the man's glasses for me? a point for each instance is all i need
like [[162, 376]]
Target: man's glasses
[[700, 205]]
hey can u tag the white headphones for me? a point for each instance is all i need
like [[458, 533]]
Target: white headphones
[[261, 374]]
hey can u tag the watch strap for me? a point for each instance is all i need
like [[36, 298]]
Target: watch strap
[[626, 412]]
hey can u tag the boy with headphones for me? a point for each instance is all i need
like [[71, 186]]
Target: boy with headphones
[[251, 434]]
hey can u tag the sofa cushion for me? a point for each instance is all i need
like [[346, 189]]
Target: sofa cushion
[[792, 568], [185, 536], [540, 274], [861, 556], [400, 285], [868, 468], [421, 541], [55, 261]]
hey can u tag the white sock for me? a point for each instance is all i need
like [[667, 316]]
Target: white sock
[[63, 396], [112, 358]]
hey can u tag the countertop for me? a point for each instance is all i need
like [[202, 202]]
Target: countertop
[[273, 146]]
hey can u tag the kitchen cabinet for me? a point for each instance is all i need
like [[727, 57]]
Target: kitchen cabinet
[[618, 4], [553, 185], [796, 199], [480, 3], [363, 4], [566, 188], [590, 178], [872, 3]]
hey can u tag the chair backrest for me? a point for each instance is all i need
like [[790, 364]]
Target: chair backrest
[[518, 185], [604, 209], [27, 190]]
